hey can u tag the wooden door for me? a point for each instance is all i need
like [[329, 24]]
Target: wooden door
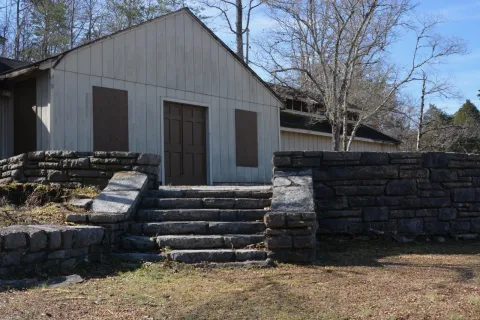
[[185, 144], [24, 116]]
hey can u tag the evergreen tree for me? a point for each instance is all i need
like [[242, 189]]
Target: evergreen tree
[[468, 114]]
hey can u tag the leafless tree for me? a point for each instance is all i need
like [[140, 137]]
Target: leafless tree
[[338, 51], [242, 12]]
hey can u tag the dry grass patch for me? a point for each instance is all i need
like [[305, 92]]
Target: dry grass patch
[[366, 280], [38, 204]]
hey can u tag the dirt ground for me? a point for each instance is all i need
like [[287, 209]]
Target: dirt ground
[[352, 280], [42, 205]]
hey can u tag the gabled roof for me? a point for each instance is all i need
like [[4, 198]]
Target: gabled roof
[[186, 10], [7, 64], [304, 122]]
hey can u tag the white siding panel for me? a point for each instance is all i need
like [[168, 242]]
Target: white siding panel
[[84, 60], [58, 110], [130, 61], [96, 59], [71, 107], [71, 62], [140, 129], [119, 57], [132, 143], [85, 128], [189, 56], [180, 51], [206, 63], [97, 82], [198, 60], [214, 62], [153, 143], [171, 52], [141, 54], [108, 58], [151, 47], [161, 54], [43, 110]]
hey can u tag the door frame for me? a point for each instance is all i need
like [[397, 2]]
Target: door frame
[[207, 136]]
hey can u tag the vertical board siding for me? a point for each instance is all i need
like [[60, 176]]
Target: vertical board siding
[[6, 127], [295, 141], [43, 110], [168, 58]]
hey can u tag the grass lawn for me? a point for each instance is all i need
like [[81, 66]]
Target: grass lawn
[[353, 280]]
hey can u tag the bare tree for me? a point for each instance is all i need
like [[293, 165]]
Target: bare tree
[[337, 51], [242, 12]]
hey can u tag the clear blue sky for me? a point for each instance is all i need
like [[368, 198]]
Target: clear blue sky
[[463, 20]]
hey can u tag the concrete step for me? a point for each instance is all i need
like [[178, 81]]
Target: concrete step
[[157, 215], [205, 203], [212, 192], [219, 255], [197, 227]]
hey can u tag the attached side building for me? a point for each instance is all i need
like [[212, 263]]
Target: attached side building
[[168, 86]]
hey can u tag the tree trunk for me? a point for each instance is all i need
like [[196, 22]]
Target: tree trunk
[[17, 33], [335, 137], [422, 107], [239, 29]]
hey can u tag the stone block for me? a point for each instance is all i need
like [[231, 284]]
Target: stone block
[[10, 258], [383, 226], [105, 161], [48, 165], [302, 242], [292, 232], [460, 226], [346, 225], [122, 154], [250, 255], [466, 194], [100, 154], [120, 202], [32, 258], [415, 173], [17, 159], [341, 156], [38, 238], [302, 224], [375, 214], [294, 198], [275, 220], [355, 173], [96, 218], [80, 163], [57, 176], [374, 158], [59, 255], [14, 237], [339, 214], [437, 228], [68, 264], [36, 155], [433, 193], [464, 164], [76, 217], [35, 172], [275, 242], [427, 203], [307, 162], [402, 213], [443, 175], [127, 181], [447, 214], [84, 173], [410, 226], [283, 153], [67, 237], [85, 236], [149, 159], [402, 187], [279, 161], [435, 160], [426, 212], [363, 201], [359, 190], [293, 216]]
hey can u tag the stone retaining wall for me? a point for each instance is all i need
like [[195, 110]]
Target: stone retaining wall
[[34, 248], [70, 169], [397, 193], [291, 224]]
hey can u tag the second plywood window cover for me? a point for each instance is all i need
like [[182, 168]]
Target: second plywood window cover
[[246, 138]]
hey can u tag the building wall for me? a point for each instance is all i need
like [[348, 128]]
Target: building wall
[[43, 110], [293, 141], [6, 127], [170, 58]]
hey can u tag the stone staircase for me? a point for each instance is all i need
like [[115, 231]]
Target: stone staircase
[[200, 224]]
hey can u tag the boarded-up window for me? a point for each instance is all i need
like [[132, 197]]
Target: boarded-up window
[[246, 138], [110, 119], [24, 117]]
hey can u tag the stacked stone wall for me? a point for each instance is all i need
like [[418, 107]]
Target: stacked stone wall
[[398, 193], [70, 169], [37, 248]]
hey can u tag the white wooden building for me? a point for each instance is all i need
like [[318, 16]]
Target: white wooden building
[[168, 86], [184, 94]]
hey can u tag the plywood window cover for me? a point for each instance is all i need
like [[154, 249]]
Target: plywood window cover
[[246, 138]]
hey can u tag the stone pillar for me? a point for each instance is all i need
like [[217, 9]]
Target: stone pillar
[[292, 223]]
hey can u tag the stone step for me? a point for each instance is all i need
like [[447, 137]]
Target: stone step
[[157, 215], [138, 257], [205, 203], [219, 255], [148, 244], [171, 192], [197, 227]]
